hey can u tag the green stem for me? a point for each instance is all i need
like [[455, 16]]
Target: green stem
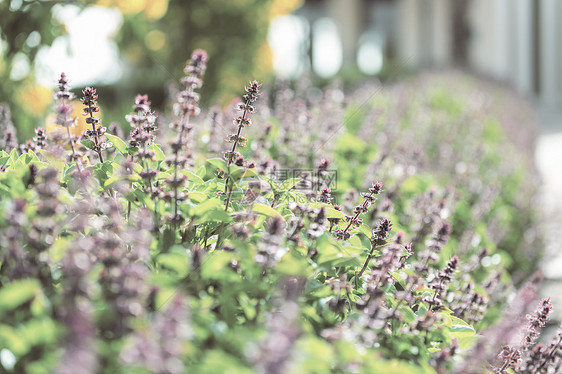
[[98, 148], [369, 258]]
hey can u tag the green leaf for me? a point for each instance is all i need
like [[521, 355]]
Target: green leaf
[[289, 183], [193, 178], [266, 210], [218, 163], [39, 331], [365, 230], [164, 297], [333, 254], [210, 204], [407, 313], [217, 214], [11, 339], [4, 160], [30, 157], [168, 240], [103, 171], [460, 331], [40, 164], [422, 309], [13, 156], [110, 182], [145, 199], [118, 143], [216, 266], [197, 196], [88, 143], [174, 261], [252, 172], [459, 328], [17, 293], [457, 321], [330, 211], [201, 172], [158, 154], [293, 263]]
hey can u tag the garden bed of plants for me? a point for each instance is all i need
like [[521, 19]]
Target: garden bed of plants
[[387, 229]]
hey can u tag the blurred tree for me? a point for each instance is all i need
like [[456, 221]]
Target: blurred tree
[[25, 27], [158, 36]]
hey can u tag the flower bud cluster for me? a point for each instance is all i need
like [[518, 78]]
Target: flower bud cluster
[[76, 313], [355, 221], [523, 358], [159, 348], [89, 99], [40, 138], [8, 139], [381, 232], [187, 105], [143, 122], [274, 351], [122, 276], [535, 322], [544, 358], [243, 120], [15, 260], [442, 359], [317, 219], [63, 97], [375, 314], [511, 357], [64, 118], [443, 277], [42, 233], [270, 248], [469, 305], [434, 247]]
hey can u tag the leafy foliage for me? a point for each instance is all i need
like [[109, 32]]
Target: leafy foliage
[[148, 253]]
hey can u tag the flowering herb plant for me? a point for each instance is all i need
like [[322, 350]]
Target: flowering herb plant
[[156, 253]]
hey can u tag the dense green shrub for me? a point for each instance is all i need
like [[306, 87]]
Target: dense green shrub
[[362, 234]]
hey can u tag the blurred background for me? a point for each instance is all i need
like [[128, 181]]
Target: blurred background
[[124, 47]]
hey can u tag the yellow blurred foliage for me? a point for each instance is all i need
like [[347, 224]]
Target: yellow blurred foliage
[[264, 61], [34, 99], [125, 6], [155, 40], [155, 9], [282, 7], [77, 129], [152, 9]]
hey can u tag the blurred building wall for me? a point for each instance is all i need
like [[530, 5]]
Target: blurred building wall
[[516, 41]]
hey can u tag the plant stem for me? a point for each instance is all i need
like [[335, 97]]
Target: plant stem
[[369, 258], [71, 141], [184, 121], [400, 300], [97, 145], [228, 190], [363, 206], [227, 181]]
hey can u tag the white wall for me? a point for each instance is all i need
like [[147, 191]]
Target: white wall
[[550, 51], [425, 32], [523, 28]]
